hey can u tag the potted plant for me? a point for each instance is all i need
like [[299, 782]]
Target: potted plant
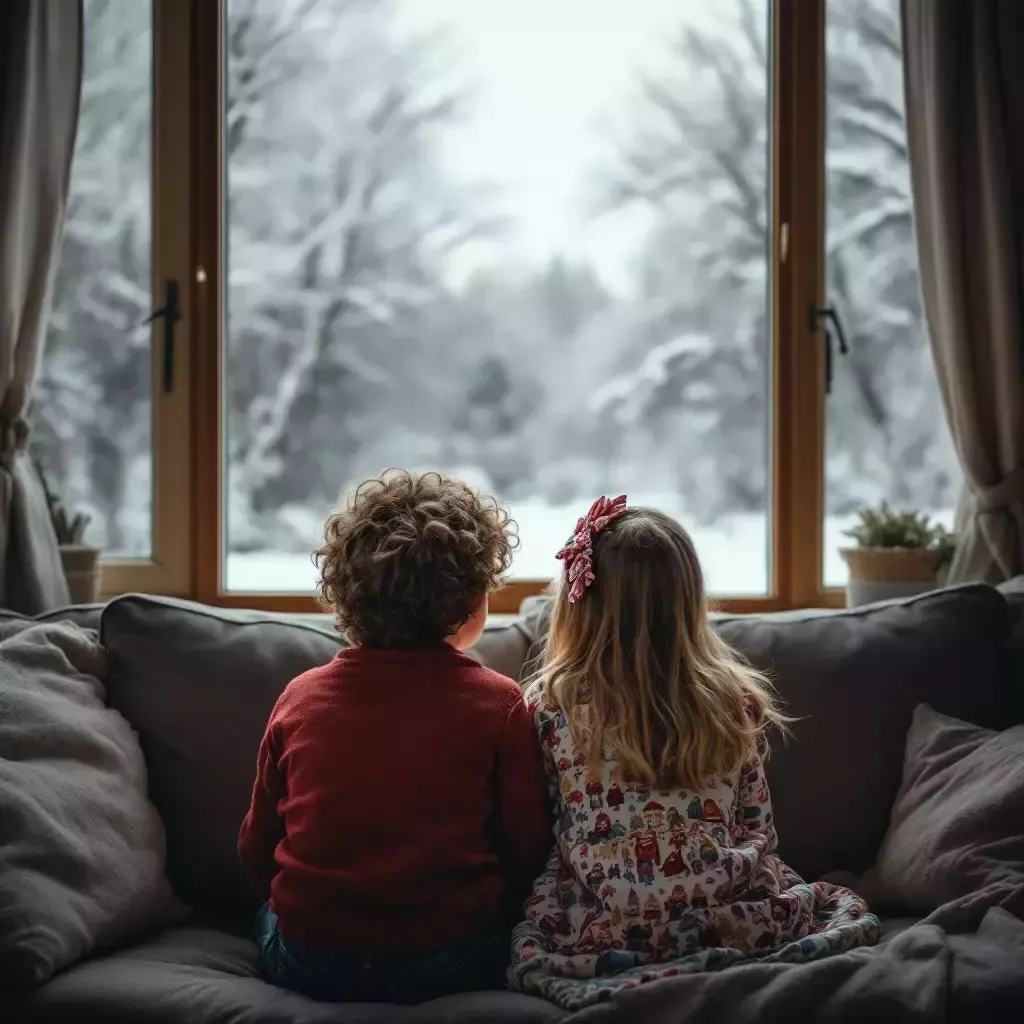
[[80, 561], [898, 554]]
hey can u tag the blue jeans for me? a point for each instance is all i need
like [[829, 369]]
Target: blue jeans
[[343, 977]]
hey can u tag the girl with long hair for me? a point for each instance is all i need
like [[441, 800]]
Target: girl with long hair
[[654, 734]]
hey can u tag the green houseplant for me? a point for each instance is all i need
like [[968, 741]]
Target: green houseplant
[[897, 554], [79, 560]]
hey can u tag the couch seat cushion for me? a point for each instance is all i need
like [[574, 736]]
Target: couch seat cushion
[[198, 974]]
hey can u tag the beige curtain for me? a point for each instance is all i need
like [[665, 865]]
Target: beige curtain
[[40, 83], [964, 80]]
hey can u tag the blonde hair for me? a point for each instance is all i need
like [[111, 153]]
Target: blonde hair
[[635, 665]]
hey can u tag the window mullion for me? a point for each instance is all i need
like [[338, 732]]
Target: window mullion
[[799, 368], [208, 228]]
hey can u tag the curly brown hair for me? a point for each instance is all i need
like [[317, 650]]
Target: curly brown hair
[[407, 558]]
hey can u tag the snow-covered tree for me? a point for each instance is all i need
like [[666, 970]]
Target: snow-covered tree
[[697, 156], [887, 435], [695, 374], [339, 217]]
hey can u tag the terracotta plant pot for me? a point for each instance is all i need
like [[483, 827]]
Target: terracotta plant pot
[[883, 574], [82, 572]]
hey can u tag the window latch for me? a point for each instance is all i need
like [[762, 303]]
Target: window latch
[[828, 314], [170, 313]]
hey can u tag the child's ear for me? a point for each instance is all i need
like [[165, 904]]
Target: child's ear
[[470, 631]]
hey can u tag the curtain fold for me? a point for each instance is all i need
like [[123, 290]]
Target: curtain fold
[[40, 87], [964, 80]]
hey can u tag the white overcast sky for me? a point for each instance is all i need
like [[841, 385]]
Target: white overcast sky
[[550, 77]]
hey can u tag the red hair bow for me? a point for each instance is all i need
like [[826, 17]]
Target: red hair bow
[[579, 569]]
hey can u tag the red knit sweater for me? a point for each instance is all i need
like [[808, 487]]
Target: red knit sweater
[[389, 786]]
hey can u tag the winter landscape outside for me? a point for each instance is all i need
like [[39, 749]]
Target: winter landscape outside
[[521, 243]]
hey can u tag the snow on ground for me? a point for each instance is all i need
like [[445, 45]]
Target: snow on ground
[[733, 551]]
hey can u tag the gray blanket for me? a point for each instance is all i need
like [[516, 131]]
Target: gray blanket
[[965, 963]]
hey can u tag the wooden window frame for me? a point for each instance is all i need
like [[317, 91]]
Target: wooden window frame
[[796, 263], [168, 570]]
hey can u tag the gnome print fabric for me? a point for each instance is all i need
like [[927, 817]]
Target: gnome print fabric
[[645, 884]]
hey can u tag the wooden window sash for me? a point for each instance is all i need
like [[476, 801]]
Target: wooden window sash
[[797, 421], [168, 570]]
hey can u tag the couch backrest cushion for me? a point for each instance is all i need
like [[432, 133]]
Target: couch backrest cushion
[[853, 679], [198, 684], [503, 645]]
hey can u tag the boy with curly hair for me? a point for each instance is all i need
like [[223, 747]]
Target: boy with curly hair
[[400, 800]]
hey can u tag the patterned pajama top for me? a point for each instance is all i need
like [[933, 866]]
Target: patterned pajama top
[[646, 883]]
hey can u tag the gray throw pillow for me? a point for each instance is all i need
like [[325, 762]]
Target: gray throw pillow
[[81, 846], [958, 822]]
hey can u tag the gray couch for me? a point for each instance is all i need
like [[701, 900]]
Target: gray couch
[[198, 684]]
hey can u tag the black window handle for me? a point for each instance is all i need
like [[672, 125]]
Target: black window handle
[[170, 313], [815, 314]]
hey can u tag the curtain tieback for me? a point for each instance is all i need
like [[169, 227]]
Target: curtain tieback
[[13, 441], [999, 497]]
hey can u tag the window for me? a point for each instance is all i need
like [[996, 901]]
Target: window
[[557, 249], [525, 244], [887, 435], [103, 415]]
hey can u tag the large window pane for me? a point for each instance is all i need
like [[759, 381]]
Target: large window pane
[[887, 437], [92, 411], [523, 243]]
